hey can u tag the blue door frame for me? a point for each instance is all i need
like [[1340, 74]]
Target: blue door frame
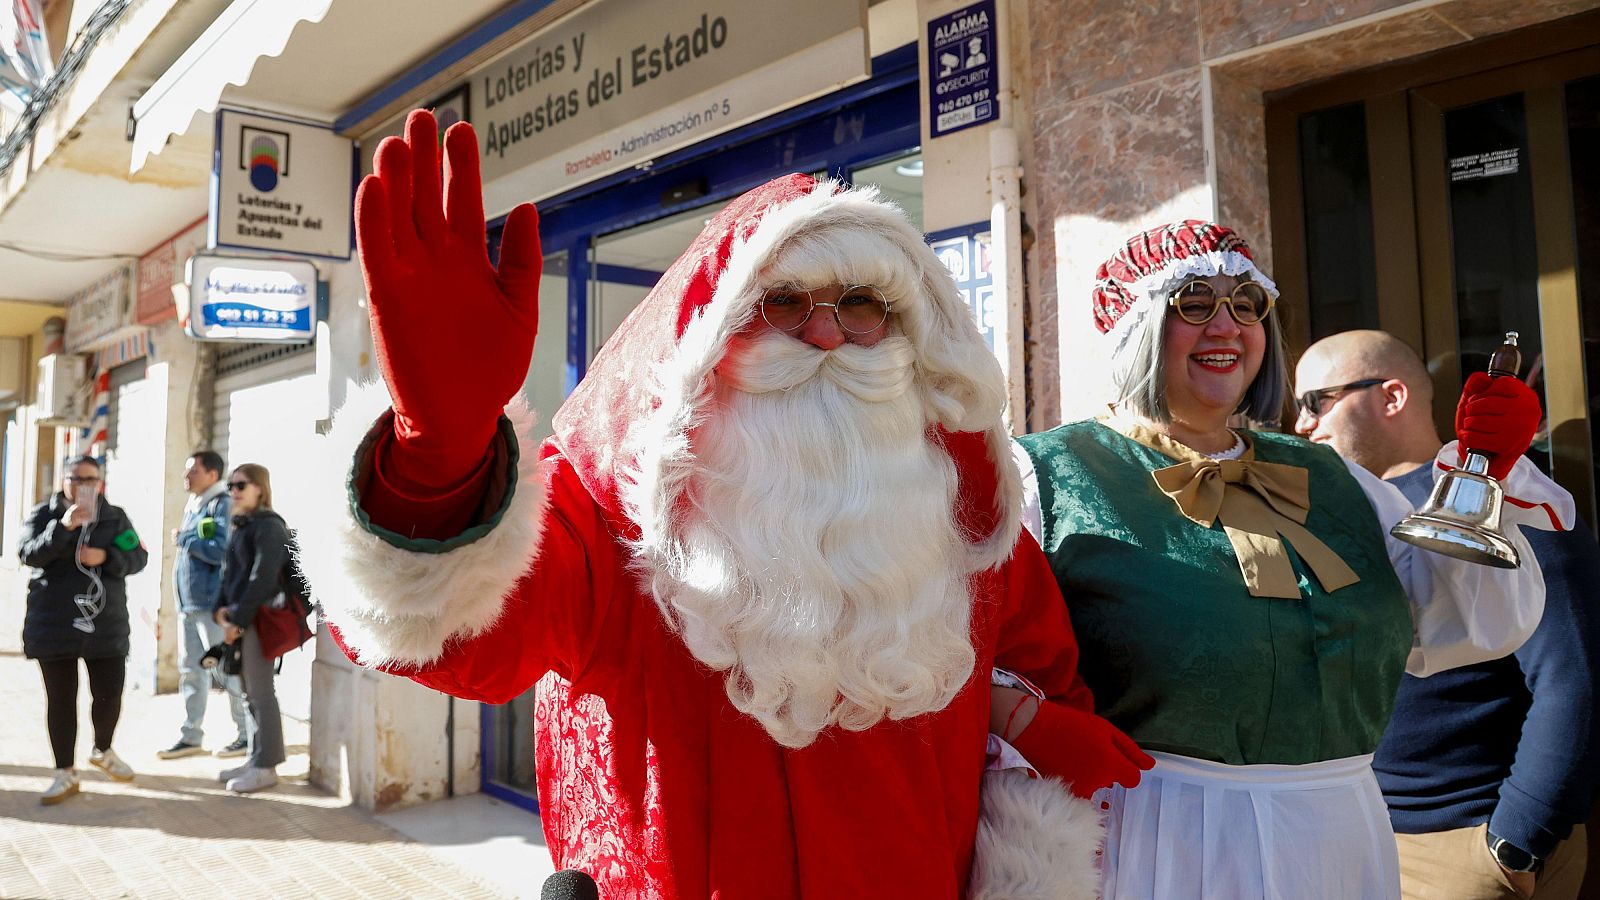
[[852, 128]]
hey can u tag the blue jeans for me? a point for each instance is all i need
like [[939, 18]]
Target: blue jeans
[[200, 633]]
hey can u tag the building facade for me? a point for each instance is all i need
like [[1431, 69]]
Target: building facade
[[1420, 166]]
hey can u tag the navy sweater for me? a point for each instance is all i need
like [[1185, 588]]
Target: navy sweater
[[1508, 741]]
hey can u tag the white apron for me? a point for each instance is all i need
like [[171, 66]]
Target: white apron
[[1198, 830]]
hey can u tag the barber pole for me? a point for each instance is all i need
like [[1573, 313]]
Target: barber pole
[[94, 437]]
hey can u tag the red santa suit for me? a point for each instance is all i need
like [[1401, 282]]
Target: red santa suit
[[649, 778]]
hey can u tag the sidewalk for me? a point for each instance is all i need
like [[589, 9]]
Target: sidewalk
[[175, 832]]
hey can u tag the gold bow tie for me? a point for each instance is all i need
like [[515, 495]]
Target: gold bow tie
[[1260, 504]]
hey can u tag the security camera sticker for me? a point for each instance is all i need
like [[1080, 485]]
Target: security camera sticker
[[965, 81]]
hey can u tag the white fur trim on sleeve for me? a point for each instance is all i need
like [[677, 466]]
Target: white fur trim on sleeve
[[1035, 841], [398, 606], [1531, 497]]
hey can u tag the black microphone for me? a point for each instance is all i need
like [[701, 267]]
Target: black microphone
[[569, 884]]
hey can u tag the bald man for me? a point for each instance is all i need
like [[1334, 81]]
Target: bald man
[[1487, 769]]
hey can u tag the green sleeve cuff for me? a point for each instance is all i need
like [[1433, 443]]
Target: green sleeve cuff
[[502, 474]]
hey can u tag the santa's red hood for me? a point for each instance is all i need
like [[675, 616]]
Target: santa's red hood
[[626, 429]]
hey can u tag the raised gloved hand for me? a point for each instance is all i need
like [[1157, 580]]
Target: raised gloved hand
[[1081, 749], [1497, 417], [453, 335]]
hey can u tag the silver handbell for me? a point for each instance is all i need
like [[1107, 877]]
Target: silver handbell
[[1462, 516]]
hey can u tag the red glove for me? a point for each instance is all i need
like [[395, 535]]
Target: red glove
[[453, 335], [1081, 749], [1497, 417]]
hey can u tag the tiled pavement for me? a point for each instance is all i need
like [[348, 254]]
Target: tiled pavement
[[174, 831]]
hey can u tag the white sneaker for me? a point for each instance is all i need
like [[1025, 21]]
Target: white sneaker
[[110, 763], [227, 775], [65, 785], [254, 779]]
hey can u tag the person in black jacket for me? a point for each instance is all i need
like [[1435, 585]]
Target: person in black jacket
[[252, 575], [81, 549]]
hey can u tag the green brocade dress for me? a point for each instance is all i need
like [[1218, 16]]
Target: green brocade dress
[[1178, 653]]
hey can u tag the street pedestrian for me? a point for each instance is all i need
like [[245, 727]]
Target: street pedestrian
[[81, 549], [1488, 769], [252, 575], [202, 542]]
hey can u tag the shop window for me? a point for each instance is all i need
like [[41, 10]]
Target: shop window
[[546, 385], [900, 180], [509, 758], [627, 264], [1341, 272], [1494, 255], [1583, 142]]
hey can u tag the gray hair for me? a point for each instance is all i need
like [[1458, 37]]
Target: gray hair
[[1140, 374]]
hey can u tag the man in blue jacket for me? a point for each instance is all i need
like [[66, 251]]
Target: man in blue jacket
[[202, 541], [1488, 770]]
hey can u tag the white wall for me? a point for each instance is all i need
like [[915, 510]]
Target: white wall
[[134, 480], [144, 475], [377, 740]]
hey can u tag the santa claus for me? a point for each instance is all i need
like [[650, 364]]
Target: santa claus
[[761, 574]]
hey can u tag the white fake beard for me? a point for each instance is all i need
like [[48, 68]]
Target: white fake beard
[[818, 562]]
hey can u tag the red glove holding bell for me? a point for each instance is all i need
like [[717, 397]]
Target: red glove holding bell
[[1497, 417], [453, 335], [1080, 748]]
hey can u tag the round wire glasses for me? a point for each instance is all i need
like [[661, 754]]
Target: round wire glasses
[[1197, 302], [860, 308]]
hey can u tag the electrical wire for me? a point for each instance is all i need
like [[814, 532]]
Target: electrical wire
[[63, 256], [45, 98]]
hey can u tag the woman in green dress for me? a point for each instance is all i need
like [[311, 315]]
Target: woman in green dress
[[1241, 609]]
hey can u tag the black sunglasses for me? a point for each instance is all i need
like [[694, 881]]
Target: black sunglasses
[[238, 485], [1314, 403]]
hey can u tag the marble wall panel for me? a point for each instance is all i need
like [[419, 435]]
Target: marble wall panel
[[1083, 47], [1119, 153], [1043, 340], [1228, 26], [1347, 50], [1480, 18], [1239, 140], [1104, 168], [1043, 295]]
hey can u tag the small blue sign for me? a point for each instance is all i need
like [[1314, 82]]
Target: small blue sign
[[254, 298], [251, 316], [963, 73]]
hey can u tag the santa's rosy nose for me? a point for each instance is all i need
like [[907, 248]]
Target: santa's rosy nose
[[822, 330]]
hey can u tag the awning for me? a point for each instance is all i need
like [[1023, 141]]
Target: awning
[[245, 32]]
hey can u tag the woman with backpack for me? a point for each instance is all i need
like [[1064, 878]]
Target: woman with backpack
[[252, 576]]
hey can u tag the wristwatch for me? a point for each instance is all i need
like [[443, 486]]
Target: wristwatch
[[1511, 857]]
